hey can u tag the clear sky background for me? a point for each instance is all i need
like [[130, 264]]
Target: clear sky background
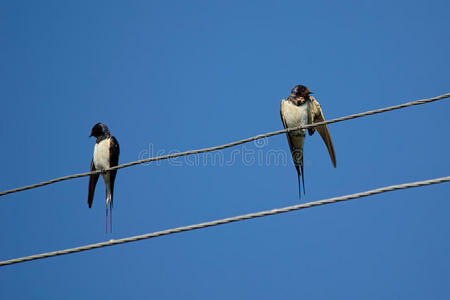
[[180, 75]]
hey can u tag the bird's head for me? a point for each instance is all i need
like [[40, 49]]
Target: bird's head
[[300, 91], [99, 130]]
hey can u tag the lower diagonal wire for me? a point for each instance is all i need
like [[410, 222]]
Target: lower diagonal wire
[[228, 220]]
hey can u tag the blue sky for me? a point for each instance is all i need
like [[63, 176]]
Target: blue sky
[[181, 75]]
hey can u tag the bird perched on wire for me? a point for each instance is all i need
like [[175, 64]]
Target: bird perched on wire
[[106, 155], [302, 109]]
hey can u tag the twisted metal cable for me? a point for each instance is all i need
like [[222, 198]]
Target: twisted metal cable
[[227, 220], [243, 141]]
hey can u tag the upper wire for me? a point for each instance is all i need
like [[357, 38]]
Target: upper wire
[[215, 148]]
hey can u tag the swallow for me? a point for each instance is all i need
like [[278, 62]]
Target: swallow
[[106, 155], [303, 109]]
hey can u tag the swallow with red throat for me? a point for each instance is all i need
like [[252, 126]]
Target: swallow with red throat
[[106, 155], [303, 109]]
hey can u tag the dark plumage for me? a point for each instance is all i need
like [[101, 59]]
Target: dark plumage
[[106, 155]]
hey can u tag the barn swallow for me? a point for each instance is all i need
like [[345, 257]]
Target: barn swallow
[[106, 155], [302, 109]]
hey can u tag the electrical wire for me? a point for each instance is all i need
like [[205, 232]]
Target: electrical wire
[[247, 140], [227, 220]]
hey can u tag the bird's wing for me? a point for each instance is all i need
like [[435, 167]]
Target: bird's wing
[[323, 129], [293, 151], [114, 151], [92, 183]]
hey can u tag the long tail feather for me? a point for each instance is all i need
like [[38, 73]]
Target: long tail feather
[[299, 186], [303, 178], [106, 224], [110, 216]]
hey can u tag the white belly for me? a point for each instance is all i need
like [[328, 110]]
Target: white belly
[[295, 115], [101, 154]]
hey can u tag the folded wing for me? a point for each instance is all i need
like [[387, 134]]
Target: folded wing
[[92, 183], [114, 152], [322, 129]]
